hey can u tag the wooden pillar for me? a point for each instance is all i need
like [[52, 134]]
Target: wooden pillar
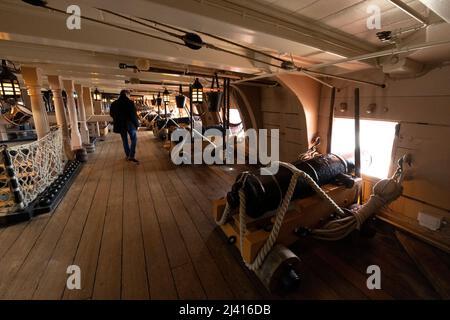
[[82, 112], [32, 78], [75, 136], [61, 120], [94, 128]]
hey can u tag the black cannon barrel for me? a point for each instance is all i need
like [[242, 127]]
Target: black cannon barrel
[[265, 192]]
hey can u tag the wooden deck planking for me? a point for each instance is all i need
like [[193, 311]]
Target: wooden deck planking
[[228, 263], [188, 285], [199, 209], [108, 280], [324, 271], [9, 236], [231, 271], [205, 266], [355, 277], [176, 247], [406, 283], [134, 269], [209, 185], [19, 251], [87, 253], [429, 261], [159, 274], [53, 280], [23, 284], [26, 247]]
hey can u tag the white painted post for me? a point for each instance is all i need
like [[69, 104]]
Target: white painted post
[[32, 78], [75, 136]]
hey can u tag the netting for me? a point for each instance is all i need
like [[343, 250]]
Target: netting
[[27, 169]]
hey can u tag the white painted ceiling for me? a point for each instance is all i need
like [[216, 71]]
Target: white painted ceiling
[[349, 16], [306, 31]]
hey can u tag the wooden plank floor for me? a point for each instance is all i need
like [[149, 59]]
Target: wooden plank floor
[[146, 232]]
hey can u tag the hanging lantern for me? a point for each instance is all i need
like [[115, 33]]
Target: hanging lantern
[[180, 99], [215, 95], [166, 96], [9, 85], [75, 95], [104, 100], [197, 92], [97, 95]]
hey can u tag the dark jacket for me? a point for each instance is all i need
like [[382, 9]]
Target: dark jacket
[[123, 112]]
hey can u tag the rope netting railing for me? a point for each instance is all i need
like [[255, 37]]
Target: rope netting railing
[[28, 169]]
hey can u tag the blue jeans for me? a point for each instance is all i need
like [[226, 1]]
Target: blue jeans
[[129, 150]]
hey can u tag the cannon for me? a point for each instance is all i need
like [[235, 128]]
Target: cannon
[[265, 192], [263, 214]]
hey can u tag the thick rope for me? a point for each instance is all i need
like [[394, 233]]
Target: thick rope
[[281, 212], [384, 192]]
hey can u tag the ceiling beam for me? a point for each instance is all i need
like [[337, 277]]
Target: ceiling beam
[[99, 38], [253, 23], [409, 11]]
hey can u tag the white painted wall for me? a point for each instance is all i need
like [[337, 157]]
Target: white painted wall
[[424, 100], [422, 107]]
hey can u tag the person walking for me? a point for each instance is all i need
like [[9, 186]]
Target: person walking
[[125, 120]]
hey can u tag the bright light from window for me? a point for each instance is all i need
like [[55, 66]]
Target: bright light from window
[[235, 116], [235, 119], [377, 138]]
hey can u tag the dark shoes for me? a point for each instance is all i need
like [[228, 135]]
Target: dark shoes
[[127, 158], [133, 160]]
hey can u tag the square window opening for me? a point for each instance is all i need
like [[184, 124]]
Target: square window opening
[[377, 138]]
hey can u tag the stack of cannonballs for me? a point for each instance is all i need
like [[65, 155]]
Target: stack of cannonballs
[[48, 197]]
